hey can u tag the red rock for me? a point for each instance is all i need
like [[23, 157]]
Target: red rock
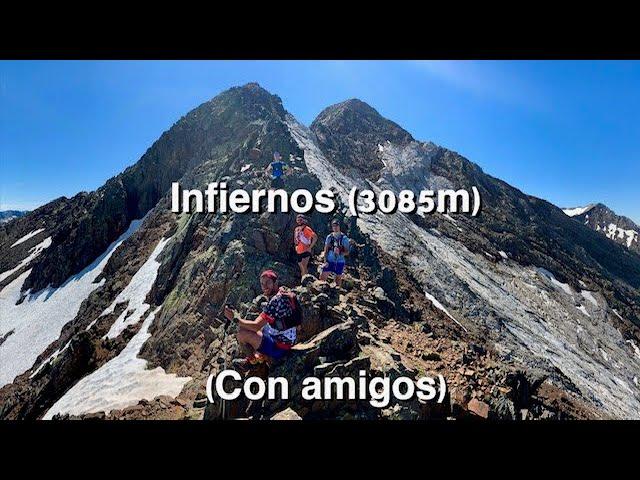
[[479, 408]]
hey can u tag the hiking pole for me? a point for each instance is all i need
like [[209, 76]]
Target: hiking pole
[[223, 410], [224, 346], [225, 331]]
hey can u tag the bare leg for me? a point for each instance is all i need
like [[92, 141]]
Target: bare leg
[[303, 264], [249, 337], [339, 280]]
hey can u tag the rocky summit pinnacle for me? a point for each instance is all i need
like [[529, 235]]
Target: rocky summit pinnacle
[[252, 94]]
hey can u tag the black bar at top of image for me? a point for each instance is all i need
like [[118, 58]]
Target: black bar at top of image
[[371, 34]]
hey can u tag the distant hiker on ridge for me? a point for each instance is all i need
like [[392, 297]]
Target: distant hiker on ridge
[[336, 248], [277, 170], [304, 239], [273, 332]]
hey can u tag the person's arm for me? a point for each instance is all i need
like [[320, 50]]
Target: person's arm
[[254, 325], [314, 240], [326, 250]]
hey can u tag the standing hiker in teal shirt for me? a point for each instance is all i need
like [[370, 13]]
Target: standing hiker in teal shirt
[[336, 249]]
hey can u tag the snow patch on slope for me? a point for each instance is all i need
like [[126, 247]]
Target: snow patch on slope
[[556, 283], [587, 295], [614, 232], [121, 382], [573, 212], [27, 237], [440, 307], [583, 309], [33, 253], [135, 294], [51, 358], [39, 319]]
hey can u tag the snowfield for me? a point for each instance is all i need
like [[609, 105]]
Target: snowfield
[[121, 382], [37, 321], [531, 316]]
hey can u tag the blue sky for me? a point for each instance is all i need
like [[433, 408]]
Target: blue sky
[[568, 132]]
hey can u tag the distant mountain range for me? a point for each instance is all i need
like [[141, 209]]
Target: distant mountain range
[[602, 219], [8, 215]]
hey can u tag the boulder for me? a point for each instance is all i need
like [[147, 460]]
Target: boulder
[[288, 414], [379, 294], [334, 342], [479, 408]]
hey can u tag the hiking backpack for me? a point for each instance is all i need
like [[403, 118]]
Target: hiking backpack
[[293, 320], [333, 242]]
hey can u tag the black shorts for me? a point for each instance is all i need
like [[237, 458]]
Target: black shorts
[[302, 256]]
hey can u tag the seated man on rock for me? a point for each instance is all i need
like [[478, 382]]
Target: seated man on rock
[[273, 332]]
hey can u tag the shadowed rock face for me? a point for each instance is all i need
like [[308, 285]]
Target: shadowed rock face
[[483, 336]]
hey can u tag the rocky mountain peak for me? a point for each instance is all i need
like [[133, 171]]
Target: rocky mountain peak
[[353, 132], [355, 118], [210, 138], [252, 98]]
